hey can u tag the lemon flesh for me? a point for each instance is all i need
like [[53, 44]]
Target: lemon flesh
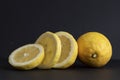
[[52, 47], [94, 49], [69, 50], [27, 57]]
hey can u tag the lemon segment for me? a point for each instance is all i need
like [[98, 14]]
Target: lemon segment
[[27, 57], [69, 50], [52, 46]]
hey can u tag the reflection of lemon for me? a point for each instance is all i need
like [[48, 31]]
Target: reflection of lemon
[[94, 49], [69, 50], [27, 57], [52, 47]]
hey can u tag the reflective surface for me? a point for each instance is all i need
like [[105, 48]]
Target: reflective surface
[[78, 71]]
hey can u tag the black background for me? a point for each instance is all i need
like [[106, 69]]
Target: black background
[[22, 21]]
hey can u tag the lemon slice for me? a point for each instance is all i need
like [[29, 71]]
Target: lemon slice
[[27, 57], [69, 50], [52, 47]]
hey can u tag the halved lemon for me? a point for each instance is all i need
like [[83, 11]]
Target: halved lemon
[[27, 57], [69, 50], [52, 47]]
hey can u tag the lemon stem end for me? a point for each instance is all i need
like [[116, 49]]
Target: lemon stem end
[[94, 55]]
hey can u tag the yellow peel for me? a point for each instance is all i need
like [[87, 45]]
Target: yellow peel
[[52, 46], [27, 57], [69, 50]]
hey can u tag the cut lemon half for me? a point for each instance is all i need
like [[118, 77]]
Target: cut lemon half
[[27, 57], [69, 50], [52, 48]]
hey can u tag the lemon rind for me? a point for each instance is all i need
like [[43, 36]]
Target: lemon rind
[[29, 64], [73, 53], [57, 52]]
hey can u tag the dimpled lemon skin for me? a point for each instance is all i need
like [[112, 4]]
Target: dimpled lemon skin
[[94, 49]]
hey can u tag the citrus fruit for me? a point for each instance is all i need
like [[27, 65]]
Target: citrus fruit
[[69, 50], [27, 57], [52, 48], [94, 49]]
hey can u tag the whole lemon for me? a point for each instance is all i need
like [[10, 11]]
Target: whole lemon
[[94, 49]]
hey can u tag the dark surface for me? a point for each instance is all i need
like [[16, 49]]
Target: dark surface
[[76, 72]]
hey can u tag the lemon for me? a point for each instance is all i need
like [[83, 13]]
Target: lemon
[[94, 49], [69, 50], [27, 57], [52, 47]]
